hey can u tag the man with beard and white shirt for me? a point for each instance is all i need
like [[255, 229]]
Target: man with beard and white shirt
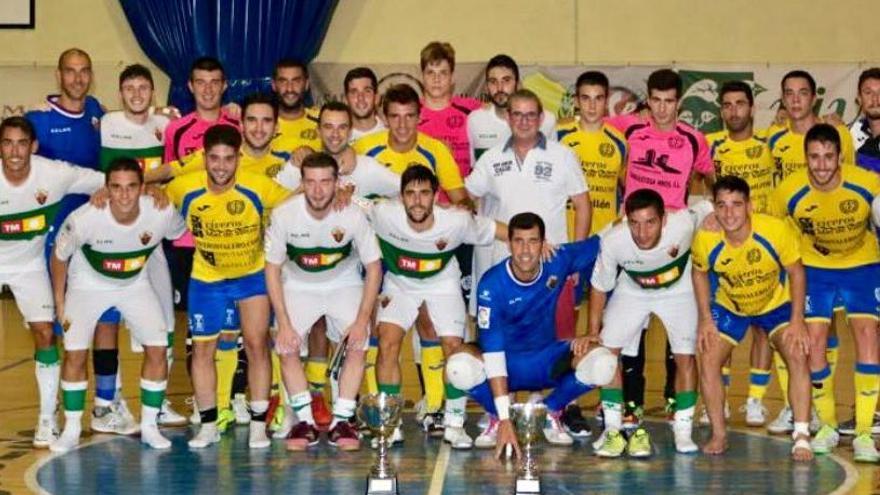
[[362, 95]]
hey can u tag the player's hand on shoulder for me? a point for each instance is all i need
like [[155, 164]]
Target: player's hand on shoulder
[[548, 252], [160, 199], [100, 198], [343, 197], [233, 110], [170, 111], [710, 223], [300, 154], [506, 436]]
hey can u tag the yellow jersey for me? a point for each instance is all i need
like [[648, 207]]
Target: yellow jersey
[[788, 152], [603, 161], [227, 227], [749, 279], [749, 160], [269, 164], [835, 226], [292, 134], [428, 151]]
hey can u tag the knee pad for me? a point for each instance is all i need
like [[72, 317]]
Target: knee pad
[[597, 368], [464, 371]]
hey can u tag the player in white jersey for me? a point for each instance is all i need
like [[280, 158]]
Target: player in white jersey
[[137, 132], [31, 190], [418, 245], [488, 126], [98, 264], [645, 261], [367, 177], [362, 95], [313, 256]]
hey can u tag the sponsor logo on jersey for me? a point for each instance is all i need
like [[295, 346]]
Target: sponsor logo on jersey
[[235, 207], [659, 279], [409, 264], [653, 160], [145, 237], [41, 196], [35, 223], [849, 206], [483, 314], [318, 260], [123, 265]]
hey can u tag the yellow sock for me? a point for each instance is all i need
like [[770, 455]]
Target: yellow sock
[[432, 373], [867, 380], [758, 381], [831, 352], [725, 379], [823, 396], [782, 376], [316, 374], [370, 368], [226, 362]]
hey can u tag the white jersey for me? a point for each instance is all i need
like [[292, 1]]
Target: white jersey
[[357, 133], [122, 137], [369, 178], [542, 184], [666, 268], [28, 210], [107, 255], [424, 262], [319, 254], [486, 130]]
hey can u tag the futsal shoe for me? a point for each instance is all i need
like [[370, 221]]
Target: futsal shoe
[[207, 435], [610, 444], [344, 437], [554, 432], [849, 428], [639, 445], [825, 441], [684, 442], [432, 424], [574, 421], [396, 439], [283, 422], [225, 418], [46, 432], [109, 420], [257, 438], [756, 413], [784, 422], [457, 438], [323, 416], [302, 437], [152, 437], [169, 417], [68, 440], [488, 438], [864, 449], [240, 407]]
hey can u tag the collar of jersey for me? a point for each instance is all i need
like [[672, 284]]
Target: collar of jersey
[[542, 142], [52, 100], [520, 283]]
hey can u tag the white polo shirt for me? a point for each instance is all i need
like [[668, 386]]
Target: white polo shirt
[[542, 183], [486, 129]]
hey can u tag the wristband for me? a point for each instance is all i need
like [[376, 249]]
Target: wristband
[[502, 407]]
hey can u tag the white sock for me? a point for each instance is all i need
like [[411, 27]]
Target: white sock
[[342, 410], [613, 413], [73, 422], [302, 406], [455, 412], [48, 379], [684, 416]]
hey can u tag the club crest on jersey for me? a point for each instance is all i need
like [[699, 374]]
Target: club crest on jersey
[[673, 251], [454, 121], [552, 282], [675, 142], [309, 134], [158, 133], [235, 207], [41, 196], [337, 234], [754, 255], [846, 206], [441, 244], [145, 237], [384, 301], [606, 150], [755, 152]]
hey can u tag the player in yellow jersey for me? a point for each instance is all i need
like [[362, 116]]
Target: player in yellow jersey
[[786, 141], [297, 124], [225, 210], [739, 150], [830, 204], [749, 273]]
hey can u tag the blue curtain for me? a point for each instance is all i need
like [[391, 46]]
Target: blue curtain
[[247, 36]]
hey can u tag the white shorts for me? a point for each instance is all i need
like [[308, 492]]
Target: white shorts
[[32, 291], [447, 312], [339, 306], [138, 305], [159, 276], [627, 315], [483, 260]]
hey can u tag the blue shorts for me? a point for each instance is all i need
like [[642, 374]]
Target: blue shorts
[[211, 306], [533, 371], [855, 290], [733, 327]]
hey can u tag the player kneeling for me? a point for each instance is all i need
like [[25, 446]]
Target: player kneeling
[[750, 273], [109, 249], [518, 349], [646, 262], [312, 257]]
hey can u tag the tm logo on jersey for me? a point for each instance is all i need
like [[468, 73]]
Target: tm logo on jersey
[[700, 106]]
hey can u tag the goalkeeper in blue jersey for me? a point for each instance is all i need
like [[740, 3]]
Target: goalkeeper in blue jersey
[[518, 348]]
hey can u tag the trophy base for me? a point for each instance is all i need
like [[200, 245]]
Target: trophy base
[[527, 486], [382, 486]]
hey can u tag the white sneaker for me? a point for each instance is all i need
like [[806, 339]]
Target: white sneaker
[[420, 409], [111, 420], [287, 423], [206, 436], [488, 438], [457, 437], [258, 438], [704, 415], [756, 413], [484, 420], [194, 417], [815, 424], [240, 407], [784, 422], [555, 432], [169, 417], [825, 441], [396, 438], [684, 442], [122, 408], [46, 432], [864, 449], [68, 440], [151, 436]]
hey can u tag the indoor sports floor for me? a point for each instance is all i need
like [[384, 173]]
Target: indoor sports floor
[[756, 462]]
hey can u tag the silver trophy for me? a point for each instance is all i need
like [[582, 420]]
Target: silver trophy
[[528, 419], [381, 413]]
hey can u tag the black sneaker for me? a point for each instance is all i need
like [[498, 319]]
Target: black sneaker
[[575, 423], [848, 428], [432, 424]]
